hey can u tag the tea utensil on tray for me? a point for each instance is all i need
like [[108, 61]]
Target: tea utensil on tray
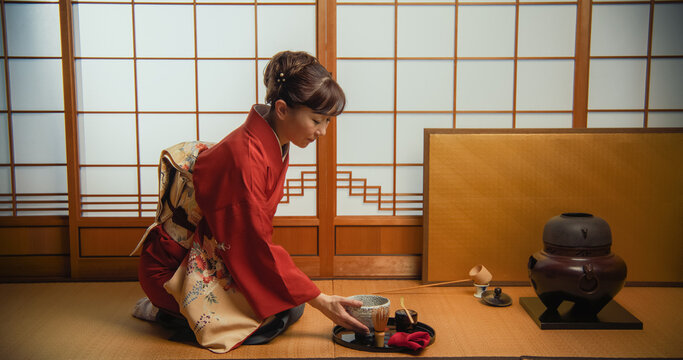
[[410, 317], [379, 320]]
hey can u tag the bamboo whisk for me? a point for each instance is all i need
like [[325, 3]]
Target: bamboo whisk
[[379, 320]]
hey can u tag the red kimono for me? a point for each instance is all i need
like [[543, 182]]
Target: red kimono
[[238, 185]]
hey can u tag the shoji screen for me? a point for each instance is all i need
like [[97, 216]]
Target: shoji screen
[[33, 178], [636, 64], [407, 66], [152, 74]]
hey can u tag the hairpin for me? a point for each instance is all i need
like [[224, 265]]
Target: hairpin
[[281, 78]]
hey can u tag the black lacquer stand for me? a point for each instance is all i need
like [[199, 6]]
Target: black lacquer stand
[[612, 317]]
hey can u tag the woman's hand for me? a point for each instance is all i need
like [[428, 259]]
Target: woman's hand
[[332, 306]]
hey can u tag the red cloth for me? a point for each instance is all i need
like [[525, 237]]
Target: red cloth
[[414, 341], [238, 185], [160, 258]]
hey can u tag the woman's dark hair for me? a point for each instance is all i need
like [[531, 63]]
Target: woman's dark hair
[[299, 79]]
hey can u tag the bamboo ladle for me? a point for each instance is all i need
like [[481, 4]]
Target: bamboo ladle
[[479, 274]]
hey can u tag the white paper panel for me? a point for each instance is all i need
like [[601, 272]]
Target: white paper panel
[[46, 204], [108, 199], [665, 119], [410, 134], [223, 1], [483, 121], [616, 84], [105, 85], [3, 85], [545, 84], [486, 30], [365, 139], [110, 1], [157, 91], [428, 1], [485, 85], [363, 1], [40, 179], [214, 127], [409, 181], [4, 140], [38, 138], [43, 213], [36, 84], [115, 214], [537, 1], [547, 30], [164, 31], [111, 207], [226, 85], [425, 85], [160, 131], [487, 1], [619, 30], [615, 119], [107, 139], [109, 180], [354, 205], [286, 1], [368, 84], [225, 31], [163, 1], [426, 31], [305, 155], [5, 181], [543, 121], [666, 84], [294, 29], [365, 31], [151, 202], [667, 30], [261, 88], [33, 30], [103, 30], [376, 176], [149, 180], [301, 203]]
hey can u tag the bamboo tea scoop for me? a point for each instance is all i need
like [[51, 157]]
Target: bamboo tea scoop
[[410, 317]]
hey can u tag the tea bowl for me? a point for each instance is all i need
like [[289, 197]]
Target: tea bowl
[[371, 303]]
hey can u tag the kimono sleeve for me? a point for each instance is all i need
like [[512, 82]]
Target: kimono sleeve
[[264, 272], [233, 200]]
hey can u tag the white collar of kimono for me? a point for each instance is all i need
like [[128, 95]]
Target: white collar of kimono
[[263, 110]]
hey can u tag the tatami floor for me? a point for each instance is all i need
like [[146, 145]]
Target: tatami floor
[[93, 321]]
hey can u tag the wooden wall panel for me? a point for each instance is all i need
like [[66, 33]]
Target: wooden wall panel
[[377, 266], [489, 194], [38, 267], [297, 240], [384, 240], [126, 268], [109, 241], [49, 240], [105, 250]]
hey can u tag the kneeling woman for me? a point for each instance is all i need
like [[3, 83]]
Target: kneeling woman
[[251, 289]]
